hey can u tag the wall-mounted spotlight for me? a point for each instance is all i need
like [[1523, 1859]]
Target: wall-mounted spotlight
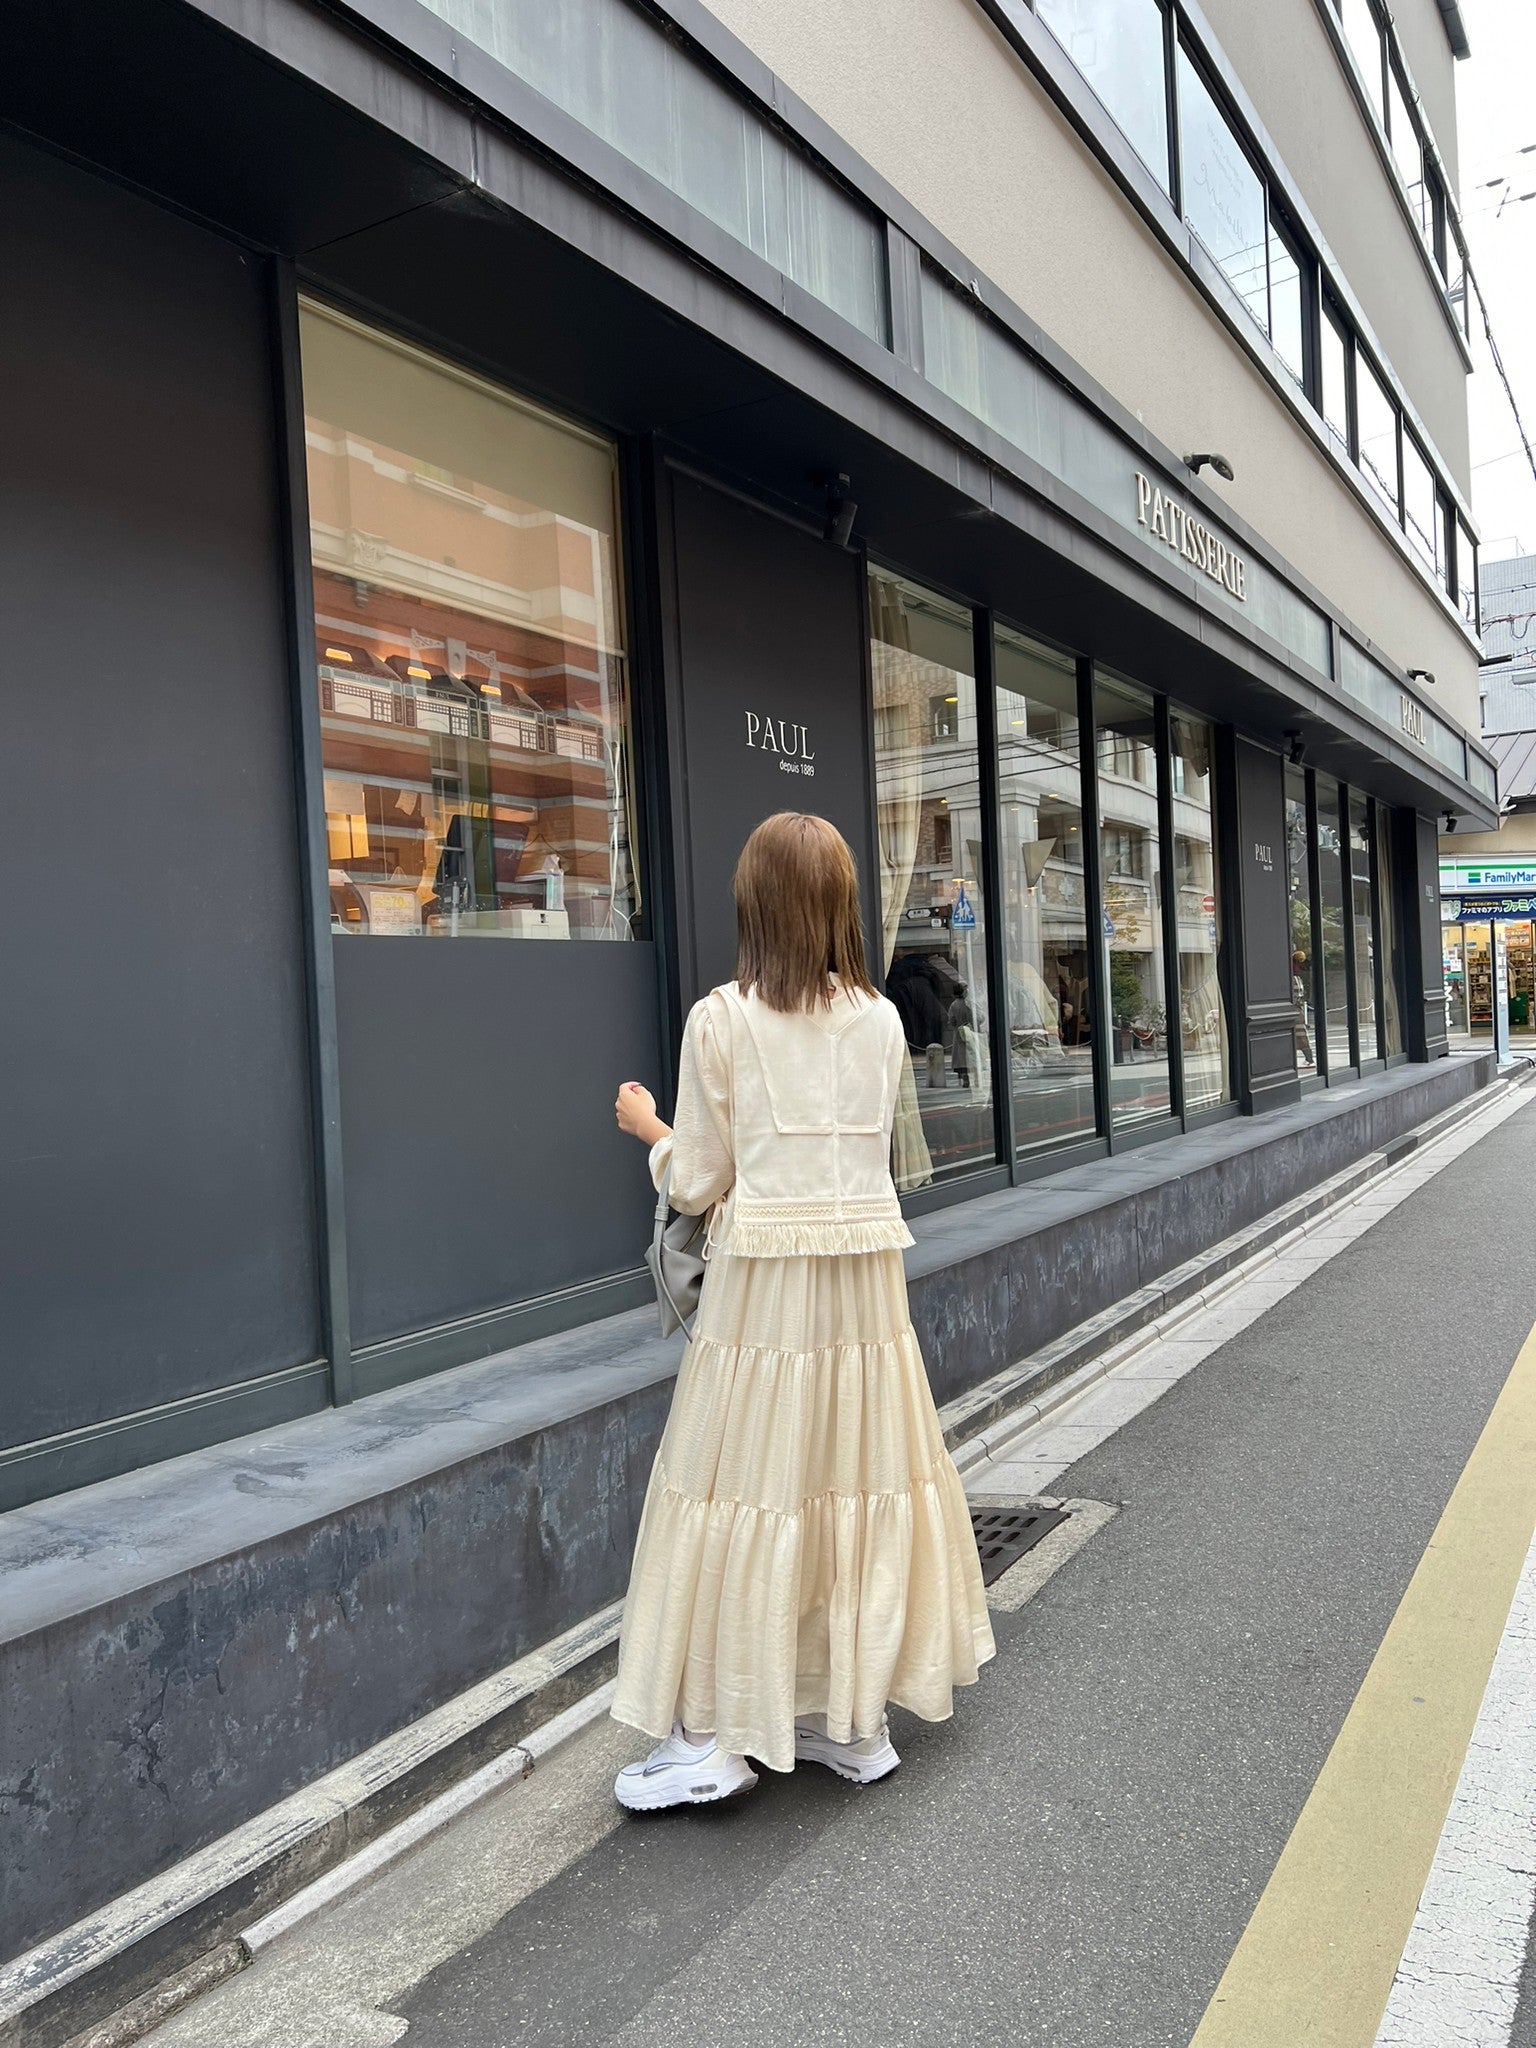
[[1223, 468], [1422, 675], [1295, 748], [842, 510]]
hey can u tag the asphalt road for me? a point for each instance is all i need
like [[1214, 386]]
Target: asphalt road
[[1070, 1861]]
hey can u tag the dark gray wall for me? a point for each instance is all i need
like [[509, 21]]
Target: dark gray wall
[[155, 1178], [483, 1164], [770, 627], [1267, 1010]]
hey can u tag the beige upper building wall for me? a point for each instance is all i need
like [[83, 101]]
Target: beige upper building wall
[[1292, 73], [930, 95]]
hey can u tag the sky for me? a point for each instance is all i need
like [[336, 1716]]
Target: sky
[[1496, 126]]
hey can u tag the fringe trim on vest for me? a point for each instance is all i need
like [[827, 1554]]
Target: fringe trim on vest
[[820, 1238]]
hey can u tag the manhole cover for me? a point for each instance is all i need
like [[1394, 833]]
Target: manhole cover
[[1004, 1534]]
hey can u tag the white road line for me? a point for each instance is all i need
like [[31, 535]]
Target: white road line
[[1459, 1979]]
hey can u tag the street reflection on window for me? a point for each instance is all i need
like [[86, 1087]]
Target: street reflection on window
[[1130, 865], [1045, 894], [932, 876], [1334, 938], [1298, 869], [469, 641], [1391, 964], [1197, 912], [1364, 918]]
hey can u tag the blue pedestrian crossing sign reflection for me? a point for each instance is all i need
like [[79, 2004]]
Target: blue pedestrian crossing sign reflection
[[962, 918]]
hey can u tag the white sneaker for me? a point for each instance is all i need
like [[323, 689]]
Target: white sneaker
[[861, 1762], [682, 1773]]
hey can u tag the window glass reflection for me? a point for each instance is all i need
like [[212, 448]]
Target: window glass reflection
[[1377, 417], [1223, 193], [1286, 321], [1197, 910], [1364, 36], [1391, 960], [1335, 383], [1406, 146], [932, 878], [1419, 502], [1466, 575], [1298, 872], [1045, 894], [1334, 937], [1364, 920], [470, 648], [1130, 865], [1118, 47]]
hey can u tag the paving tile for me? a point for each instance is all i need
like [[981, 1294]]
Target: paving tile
[[1017, 1476]]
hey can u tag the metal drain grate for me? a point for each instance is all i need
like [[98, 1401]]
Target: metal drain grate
[[1004, 1534]]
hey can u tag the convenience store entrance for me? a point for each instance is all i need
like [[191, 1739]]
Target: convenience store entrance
[[1468, 950]]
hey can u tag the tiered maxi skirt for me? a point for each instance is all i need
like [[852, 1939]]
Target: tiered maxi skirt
[[805, 1546]]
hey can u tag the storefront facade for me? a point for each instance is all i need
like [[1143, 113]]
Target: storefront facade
[[479, 523]]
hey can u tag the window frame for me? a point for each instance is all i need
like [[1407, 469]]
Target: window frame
[[1196, 59], [1362, 354], [1294, 243]]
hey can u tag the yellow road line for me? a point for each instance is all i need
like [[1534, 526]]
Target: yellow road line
[[1316, 1962]]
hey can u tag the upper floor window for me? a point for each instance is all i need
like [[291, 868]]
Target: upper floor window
[[1120, 47], [1336, 354], [1403, 134], [1419, 502], [1223, 194], [1364, 34], [1466, 575], [1376, 422], [1290, 284]]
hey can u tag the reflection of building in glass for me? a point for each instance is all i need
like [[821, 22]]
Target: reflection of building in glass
[[470, 654], [928, 795]]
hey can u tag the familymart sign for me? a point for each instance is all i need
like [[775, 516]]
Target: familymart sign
[[1459, 876]]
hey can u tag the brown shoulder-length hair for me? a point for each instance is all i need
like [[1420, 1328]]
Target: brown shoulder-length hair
[[797, 913]]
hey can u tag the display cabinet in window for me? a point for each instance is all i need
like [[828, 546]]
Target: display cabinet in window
[[469, 637]]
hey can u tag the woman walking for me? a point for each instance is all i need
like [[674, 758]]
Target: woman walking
[[805, 1555]]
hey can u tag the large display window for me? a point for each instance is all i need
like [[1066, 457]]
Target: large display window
[[1130, 776], [1044, 878], [469, 634], [1334, 937], [1362, 896], [933, 881], [1303, 933], [1197, 914]]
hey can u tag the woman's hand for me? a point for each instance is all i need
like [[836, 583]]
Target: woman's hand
[[636, 1113]]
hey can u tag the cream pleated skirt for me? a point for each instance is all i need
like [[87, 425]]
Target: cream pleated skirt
[[805, 1546]]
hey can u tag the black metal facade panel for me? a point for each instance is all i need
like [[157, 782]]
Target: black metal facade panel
[[1268, 1014], [1418, 851], [770, 677], [155, 1195], [483, 1163]]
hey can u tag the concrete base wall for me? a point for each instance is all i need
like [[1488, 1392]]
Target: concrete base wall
[[182, 1647]]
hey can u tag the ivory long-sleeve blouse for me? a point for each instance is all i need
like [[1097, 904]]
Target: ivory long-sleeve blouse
[[785, 1120]]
